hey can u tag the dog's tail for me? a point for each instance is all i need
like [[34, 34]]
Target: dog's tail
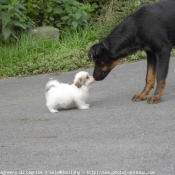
[[50, 84]]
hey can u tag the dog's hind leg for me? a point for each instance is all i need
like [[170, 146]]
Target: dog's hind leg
[[150, 77], [163, 58]]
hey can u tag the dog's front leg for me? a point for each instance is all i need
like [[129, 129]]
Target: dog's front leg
[[150, 77], [162, 71]]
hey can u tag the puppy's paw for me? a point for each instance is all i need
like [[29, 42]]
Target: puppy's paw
[[83, 107], [87, 105], [53, 110]]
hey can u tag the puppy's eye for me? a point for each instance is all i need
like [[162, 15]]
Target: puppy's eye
[[87, 77]]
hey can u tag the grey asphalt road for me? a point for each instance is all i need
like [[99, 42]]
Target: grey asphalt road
[[114, 136]]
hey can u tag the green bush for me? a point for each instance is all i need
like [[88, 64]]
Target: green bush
[[62, 13], [13, 18], [16, 16], [100, 4]]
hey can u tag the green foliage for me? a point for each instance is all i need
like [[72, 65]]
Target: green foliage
[[59, 13], [12, 18], [99, 5], [16, 16]]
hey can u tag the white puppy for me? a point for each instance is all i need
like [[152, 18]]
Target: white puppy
[[65, 96]]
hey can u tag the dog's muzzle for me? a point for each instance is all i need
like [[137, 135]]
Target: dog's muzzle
[[100, 75]]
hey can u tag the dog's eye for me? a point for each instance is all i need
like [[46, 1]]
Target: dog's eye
[[100, 63], [87, 77]]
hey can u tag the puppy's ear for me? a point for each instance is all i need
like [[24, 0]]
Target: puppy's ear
[[97, 49], [79, 82]]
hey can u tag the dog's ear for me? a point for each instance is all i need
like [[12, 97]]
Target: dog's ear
[[96, 50], [79, 82], [92, 52]]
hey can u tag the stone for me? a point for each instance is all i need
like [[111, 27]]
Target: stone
[[45, 32]]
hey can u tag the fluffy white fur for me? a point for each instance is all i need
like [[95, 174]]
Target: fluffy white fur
[[65, 96]]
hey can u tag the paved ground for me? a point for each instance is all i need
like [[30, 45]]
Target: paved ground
[[115, 136]]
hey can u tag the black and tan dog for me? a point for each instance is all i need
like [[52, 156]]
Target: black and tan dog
[[151, 28]]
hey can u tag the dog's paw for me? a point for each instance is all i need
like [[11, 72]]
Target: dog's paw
[[53, 110], [139, 97], [154, 99], [83, 107], [87, 105]]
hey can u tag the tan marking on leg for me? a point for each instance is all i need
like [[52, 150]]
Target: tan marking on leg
[[150, 81], [157, 97], [147, 48]]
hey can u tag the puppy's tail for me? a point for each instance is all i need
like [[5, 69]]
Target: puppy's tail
[[50, 84]]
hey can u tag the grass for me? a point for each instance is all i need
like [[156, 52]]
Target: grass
[[30, 57]]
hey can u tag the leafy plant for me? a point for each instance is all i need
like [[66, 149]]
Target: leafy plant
[[76, 15], [12, 18], [59, 13], [17, 16], [99, 6]]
